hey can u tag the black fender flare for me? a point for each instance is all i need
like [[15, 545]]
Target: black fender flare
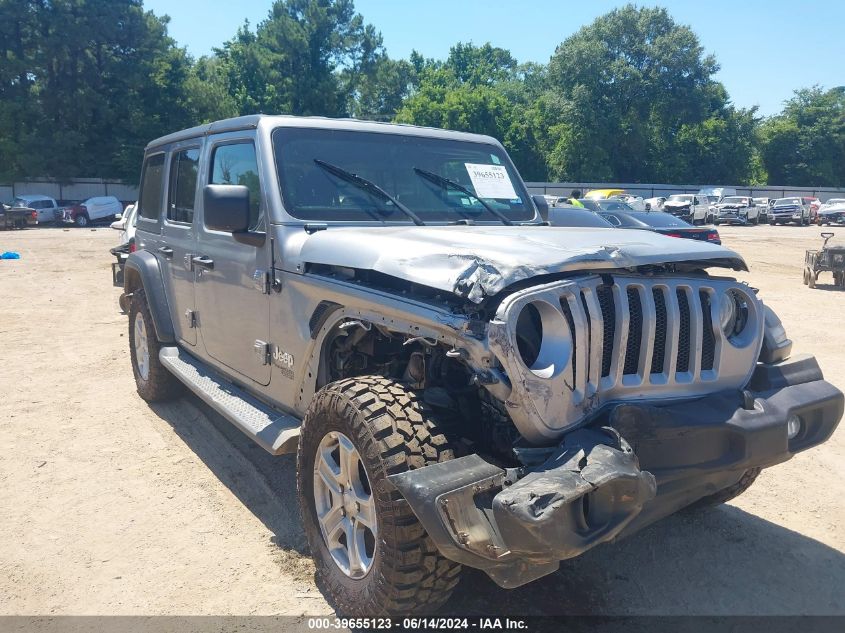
[[143, 270]]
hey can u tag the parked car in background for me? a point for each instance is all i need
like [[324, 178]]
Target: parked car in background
[[607, 204], [44, 206], [636, 202], [714, 194], [788, 210], [690, 207], [93, 209], [601, 194], [813, 204], [660, 222], [763, 205], [735, 210], [125, 223], [567, 215], [654, 204], [17, 217], [832, 212]]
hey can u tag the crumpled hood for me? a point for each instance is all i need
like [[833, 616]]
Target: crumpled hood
[[475, 262]]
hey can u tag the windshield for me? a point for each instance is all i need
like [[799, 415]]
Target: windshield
[[833, 201], [679, 198], [311, 192], [782, 202], [735, 200]]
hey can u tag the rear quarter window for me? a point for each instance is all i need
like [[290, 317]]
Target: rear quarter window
[[152, 175]]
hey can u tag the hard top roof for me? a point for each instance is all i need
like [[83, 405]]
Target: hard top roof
[[252, 121]]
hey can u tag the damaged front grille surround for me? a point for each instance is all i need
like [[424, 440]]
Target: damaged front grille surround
[[603, 339]]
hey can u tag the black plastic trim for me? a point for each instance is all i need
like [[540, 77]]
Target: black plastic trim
[[147, 267]]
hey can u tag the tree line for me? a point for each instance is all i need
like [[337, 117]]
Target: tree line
[[632, 97]]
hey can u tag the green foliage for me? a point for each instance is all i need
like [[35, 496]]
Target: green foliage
[[85, 84], [639, 103], [805, 145], [478, 89]]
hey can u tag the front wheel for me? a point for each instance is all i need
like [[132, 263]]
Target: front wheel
[[81, 221], [372, 555]]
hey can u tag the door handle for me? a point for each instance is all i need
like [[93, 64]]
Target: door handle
[[166, 251], [203, 262]]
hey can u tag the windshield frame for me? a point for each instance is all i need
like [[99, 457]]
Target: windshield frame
[[277, 134]]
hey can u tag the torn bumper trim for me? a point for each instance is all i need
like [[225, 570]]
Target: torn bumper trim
[[597, 486]]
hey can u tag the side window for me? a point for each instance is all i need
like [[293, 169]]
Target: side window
[[184, 167], [235, 164], [149, 198]]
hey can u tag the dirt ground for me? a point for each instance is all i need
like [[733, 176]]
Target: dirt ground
[[110, 506]]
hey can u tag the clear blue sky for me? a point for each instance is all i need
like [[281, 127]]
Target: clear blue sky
[[766, 49]]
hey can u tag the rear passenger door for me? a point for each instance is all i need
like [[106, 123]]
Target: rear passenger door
[[231, 293], [178, 237]]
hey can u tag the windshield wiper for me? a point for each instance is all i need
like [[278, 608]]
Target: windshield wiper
[[370, 187], [446, 183]]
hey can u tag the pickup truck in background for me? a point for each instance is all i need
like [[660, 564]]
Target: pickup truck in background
[[93, 209], [16, 217], [45, 207]]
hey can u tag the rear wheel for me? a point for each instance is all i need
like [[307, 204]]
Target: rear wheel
[[372, 555], [806, 277], [153, 381]]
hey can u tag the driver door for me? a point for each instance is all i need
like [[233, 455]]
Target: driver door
[[232, 299]]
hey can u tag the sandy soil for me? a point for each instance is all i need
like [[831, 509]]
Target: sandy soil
[[109, 506]]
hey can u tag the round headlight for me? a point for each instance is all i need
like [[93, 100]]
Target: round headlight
[[733, 313], [727, 313]]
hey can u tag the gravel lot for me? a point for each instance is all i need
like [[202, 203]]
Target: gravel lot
[[110, 506]]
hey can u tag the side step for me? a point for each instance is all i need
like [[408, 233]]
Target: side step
[[275, 432]]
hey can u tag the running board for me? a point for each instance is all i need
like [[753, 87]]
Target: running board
[[275, 432]]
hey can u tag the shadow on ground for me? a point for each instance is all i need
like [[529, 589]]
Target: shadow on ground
[[720, 561]]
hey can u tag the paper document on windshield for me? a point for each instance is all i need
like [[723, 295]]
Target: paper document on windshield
[[491, 181]]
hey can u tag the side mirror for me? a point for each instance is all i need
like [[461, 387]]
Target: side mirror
[[542, 207], [119, 224], [226, 208], [827, 236]]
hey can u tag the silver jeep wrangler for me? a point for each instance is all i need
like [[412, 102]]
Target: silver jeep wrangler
[[462, 383]]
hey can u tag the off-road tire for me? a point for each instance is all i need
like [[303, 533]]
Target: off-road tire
[[160, 385], [393, 431], [806, 278], [726, 494], [811, 279]]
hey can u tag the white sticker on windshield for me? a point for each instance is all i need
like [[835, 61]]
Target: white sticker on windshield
[[491, 181]]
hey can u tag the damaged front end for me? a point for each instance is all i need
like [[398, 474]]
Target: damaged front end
[[637, 463], [583, 494]]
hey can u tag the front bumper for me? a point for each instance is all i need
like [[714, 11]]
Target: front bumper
[[636, 464], [730, 217]]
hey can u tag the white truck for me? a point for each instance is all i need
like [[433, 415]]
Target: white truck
[[690, 207]]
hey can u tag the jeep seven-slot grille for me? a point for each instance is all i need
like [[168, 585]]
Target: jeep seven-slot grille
[[682, 365], [660, 331], [653, 327], [608, 311]]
